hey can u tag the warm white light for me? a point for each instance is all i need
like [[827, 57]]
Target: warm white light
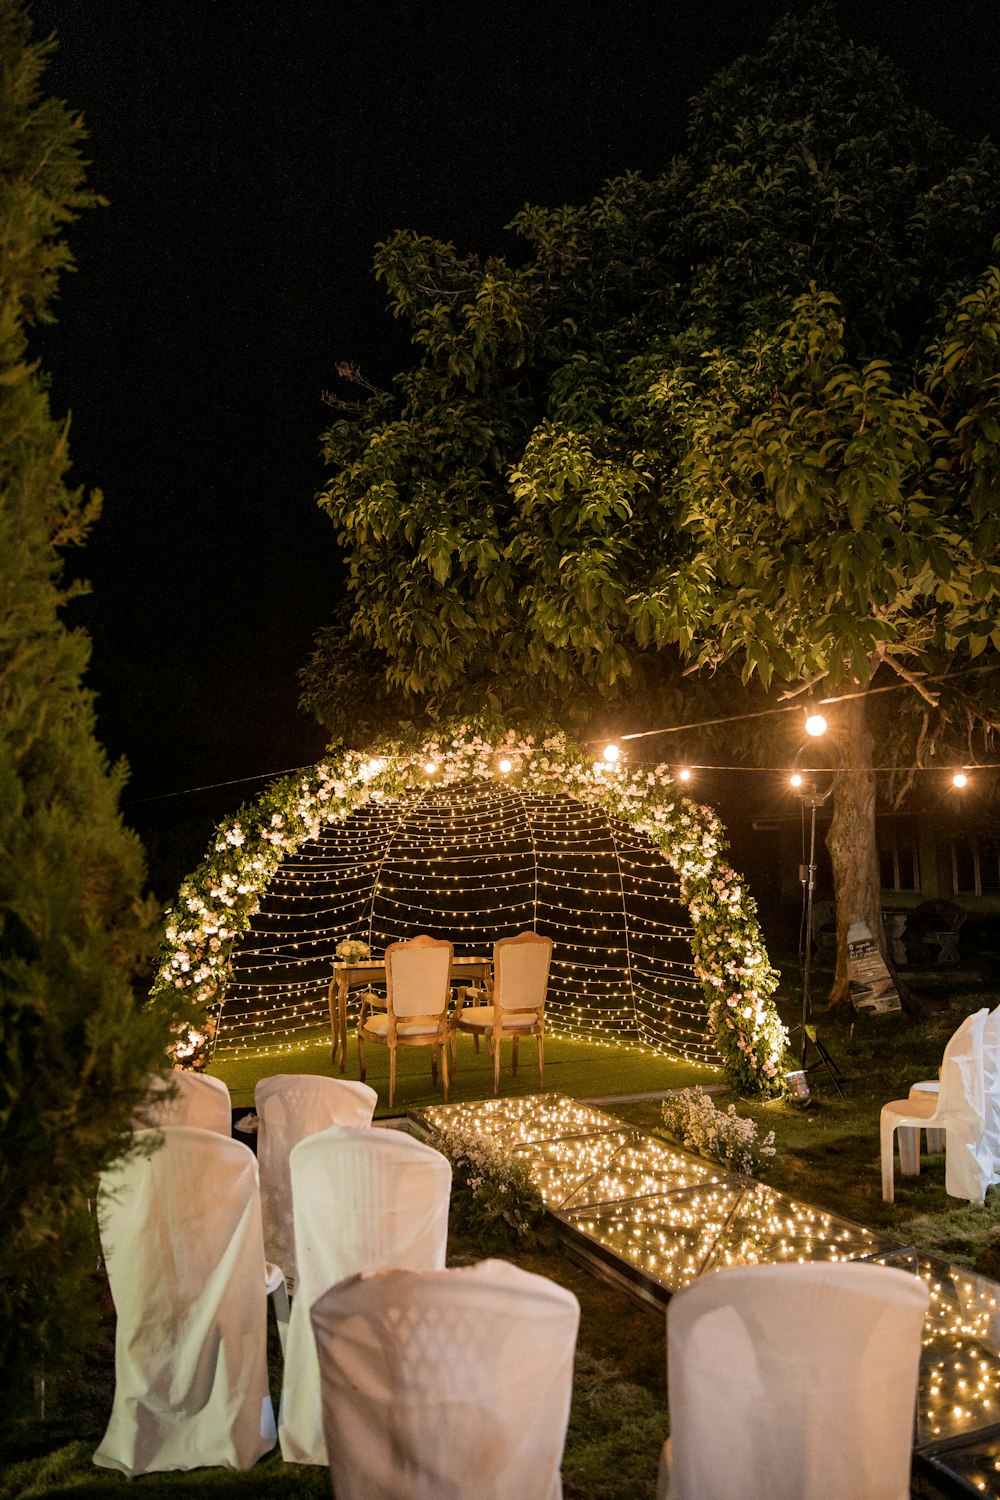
[[795, 779], [684, 774], [430, 767], [505, 764], [611, 754], [960, 779], [815, 725]]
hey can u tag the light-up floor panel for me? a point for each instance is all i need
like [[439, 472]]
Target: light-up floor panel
[[654, 1218]]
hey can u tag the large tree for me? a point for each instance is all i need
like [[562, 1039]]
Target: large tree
[[521, 513], [75, 929]]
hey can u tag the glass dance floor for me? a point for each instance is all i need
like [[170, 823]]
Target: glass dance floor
[[653, 1218]]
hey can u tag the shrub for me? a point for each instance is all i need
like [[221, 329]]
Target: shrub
[[693, 1120], [494, 1202]]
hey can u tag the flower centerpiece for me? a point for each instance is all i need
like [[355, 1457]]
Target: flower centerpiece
[[352, 950]]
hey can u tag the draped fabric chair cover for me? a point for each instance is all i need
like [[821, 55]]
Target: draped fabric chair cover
[[179, 1097], [180, 1231], [959, 1109], [516, 1000], [793, 1382], [991, 1088], [447, 1385], [292, 1106], [418, 990], [364, 1200]]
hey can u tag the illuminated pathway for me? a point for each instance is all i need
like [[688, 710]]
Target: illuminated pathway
[[654, 1218]]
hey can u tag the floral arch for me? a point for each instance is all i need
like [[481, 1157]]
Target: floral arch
[[217, 903]]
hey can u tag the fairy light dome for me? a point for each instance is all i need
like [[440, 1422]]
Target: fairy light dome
[[473, 863], [656, 937]]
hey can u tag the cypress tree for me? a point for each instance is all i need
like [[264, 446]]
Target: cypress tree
[[75, 929]]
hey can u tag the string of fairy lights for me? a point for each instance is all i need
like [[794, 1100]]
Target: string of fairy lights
[[473, 863]]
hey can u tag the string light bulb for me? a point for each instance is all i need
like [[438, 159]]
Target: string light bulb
[[815, 723], [795, 779], [430, 767], [505, 765], [611, 754], [960, 779], [684, 774]]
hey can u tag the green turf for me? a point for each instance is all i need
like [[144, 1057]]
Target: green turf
[[583, 1070]]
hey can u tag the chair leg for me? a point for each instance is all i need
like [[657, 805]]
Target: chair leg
[[392, 1076], [361, 1057], [279, 1301], [909, 1150], [513, 1055], [541, 1059], [887, 1131], [434, 1064], [475, 1038], [496, 1065], [444, 1072], [452, 1050]]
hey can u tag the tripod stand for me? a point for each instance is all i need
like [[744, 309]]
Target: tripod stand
[[813, 799]]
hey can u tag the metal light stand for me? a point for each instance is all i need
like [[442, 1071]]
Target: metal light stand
[[813, 799]]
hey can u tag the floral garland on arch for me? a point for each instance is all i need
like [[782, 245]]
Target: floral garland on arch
[[217, 902]]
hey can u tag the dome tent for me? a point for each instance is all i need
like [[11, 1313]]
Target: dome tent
[[656, 932]]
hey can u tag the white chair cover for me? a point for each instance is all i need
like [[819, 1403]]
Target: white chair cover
[[180, 1231], [292, 1106], [364, 1200], [447, 1385], [793, 1382], [179, 1097], [960, 1109], [991, 1087]]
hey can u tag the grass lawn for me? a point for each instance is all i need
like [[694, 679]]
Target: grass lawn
[[584, 1070], [828, 1155]]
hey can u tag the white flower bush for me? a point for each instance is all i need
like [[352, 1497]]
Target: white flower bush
[[691, 1117], [218, 901], [494, 1201]]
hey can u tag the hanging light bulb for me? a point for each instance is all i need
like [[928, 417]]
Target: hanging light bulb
[[611, 754], [795, 779], [505, 764], [960, 779], [815, 723], [430, 767], [683, 774]]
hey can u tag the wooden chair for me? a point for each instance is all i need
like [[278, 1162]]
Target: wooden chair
[[418, 988], [514, 1001]]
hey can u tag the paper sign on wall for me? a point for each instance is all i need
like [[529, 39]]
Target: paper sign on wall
[[869, 981]]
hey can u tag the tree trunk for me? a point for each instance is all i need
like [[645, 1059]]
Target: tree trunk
[[851, 840]]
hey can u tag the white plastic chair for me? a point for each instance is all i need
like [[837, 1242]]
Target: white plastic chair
[[180, 1230], [179, 1097], [958, 1110], [292, 1106], [364, 1200], [418, 990], [515, 998], [991, 1082], [447, 1385], [793, 1382]]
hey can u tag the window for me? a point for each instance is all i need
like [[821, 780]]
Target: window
[[975, 865], [899, 869]]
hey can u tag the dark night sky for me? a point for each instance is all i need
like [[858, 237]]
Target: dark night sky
[[252, 156]]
